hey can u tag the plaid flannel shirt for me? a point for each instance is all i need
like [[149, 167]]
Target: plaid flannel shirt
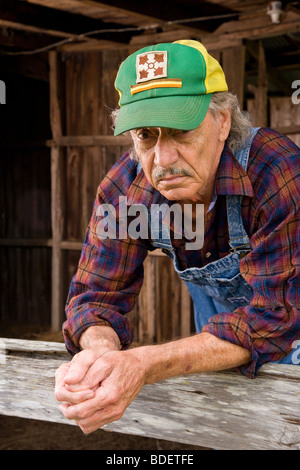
[[110, 271]]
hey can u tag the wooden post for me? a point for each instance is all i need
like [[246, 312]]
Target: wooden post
[[186, 309], [57, 196], [260, 91], [147, 304], [233, 63]]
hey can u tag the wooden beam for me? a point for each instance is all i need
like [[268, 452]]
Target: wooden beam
[[91, 45], [23, 39], [97, 10], [33, 242], [52, 19], [295, 129], [222, 410], [129, 16], [257, 27], [92, 140], [36, 29]]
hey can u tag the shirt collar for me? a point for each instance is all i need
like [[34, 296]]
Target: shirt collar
[[231, 179]]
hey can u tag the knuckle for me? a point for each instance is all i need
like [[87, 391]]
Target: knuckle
[[80, 413], [61, 370], [114, 396], [85, 429], [118, 413], [59, 393]]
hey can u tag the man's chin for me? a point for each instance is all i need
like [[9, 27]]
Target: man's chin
[[175, 194]]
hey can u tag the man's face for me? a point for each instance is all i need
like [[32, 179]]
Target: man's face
[[182, 165]]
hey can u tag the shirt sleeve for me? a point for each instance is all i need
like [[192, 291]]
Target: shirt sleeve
[[269, 325], [106, 285]]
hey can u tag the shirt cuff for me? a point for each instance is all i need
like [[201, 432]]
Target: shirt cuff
[[75, 326], [231, 327]]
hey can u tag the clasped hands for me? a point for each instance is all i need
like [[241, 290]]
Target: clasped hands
[[95, 388]]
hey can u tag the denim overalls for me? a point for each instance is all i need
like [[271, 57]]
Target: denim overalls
[[219, 286]]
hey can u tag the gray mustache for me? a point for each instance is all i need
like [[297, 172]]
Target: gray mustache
[[160, 173]]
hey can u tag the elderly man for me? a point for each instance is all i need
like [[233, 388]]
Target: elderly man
[[193, 147]]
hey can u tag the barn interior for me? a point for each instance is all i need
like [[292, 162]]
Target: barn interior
[[58, 62]]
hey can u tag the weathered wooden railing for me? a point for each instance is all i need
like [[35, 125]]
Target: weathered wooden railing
[[219, 411]]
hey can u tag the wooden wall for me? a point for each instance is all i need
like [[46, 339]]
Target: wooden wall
[[25, 227]]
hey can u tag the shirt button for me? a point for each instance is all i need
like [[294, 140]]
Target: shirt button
[[208, 254]]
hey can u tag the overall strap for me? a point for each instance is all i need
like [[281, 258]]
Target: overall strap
[[239, 240]]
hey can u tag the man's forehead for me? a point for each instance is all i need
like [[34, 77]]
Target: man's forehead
[[170, 130]]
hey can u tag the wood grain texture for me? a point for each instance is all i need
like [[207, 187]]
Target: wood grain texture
[[220, 411]]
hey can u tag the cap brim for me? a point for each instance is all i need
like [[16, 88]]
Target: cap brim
[[174, 112]]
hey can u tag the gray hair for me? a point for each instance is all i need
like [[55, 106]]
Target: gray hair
[[241, 122]]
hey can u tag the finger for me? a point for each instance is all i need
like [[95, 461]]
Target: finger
[[61, 372], [59, 380], [79, 411], [105, 397], [79, 366], [99, 419], [97, 370], [72, 398]]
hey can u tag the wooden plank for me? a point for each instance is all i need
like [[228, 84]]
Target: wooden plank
[[46, 347], [26, 242], [233, 63], [222, 410], [185, 311], [57, 204], [170, 306], [260, 106], [116, 14], [257, 26], [98, 10], [34, 29], [293, 129], [57, 195], [274, 75], [92, 140], [147, 305], [285, 117]]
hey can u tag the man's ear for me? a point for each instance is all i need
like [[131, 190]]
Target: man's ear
[[225, 124]]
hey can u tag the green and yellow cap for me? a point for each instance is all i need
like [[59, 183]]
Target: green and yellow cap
[[167, 85]]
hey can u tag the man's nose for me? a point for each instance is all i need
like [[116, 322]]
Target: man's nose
[[165, 152]]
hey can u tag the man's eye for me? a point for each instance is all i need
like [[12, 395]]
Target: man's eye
[[143, 134]]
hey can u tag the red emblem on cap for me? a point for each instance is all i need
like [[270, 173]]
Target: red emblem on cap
[[151, 65]]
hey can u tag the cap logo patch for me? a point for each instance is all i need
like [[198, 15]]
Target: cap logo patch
[[151, 65]]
